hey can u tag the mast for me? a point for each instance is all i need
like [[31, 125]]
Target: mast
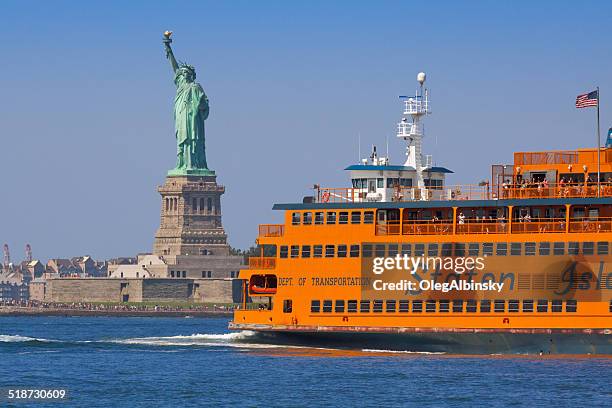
[[411, 130]]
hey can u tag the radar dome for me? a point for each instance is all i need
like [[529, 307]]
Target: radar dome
[[421, 77]]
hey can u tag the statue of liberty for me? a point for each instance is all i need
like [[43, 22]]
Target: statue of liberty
[[190, 111]]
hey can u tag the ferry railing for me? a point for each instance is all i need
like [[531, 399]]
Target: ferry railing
[[441, 227], [339, 195], [468, 192], [482, 226], [388, 228], [262, 263], [560, 190], [538, 225], [591, 224], [271, 230]]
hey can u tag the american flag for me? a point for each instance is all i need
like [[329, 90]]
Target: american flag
[[587, 99]]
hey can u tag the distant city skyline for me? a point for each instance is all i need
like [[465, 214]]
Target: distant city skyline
[[86, 114]]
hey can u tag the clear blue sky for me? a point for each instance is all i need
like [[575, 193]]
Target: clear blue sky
[[86, 122]]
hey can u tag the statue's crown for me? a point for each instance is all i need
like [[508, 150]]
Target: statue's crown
[[187, 66]]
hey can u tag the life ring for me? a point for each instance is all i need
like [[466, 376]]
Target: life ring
[[325, 196]]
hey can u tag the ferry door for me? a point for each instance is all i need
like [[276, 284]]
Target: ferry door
[[371, 185]]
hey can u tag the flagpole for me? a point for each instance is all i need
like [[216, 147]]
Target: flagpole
[[598, 147]]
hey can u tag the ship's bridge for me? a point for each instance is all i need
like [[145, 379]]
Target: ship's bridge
[[395, 183]]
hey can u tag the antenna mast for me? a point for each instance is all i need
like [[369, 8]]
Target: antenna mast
[[28, 253], [7, 256], [411, 130]]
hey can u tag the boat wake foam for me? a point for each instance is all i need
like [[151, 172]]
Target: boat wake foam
[[239, 339], [15, 338]]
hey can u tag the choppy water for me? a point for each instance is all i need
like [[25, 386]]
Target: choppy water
[[178, 362]]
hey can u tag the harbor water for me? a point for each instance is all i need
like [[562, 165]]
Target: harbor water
[[193, 362]]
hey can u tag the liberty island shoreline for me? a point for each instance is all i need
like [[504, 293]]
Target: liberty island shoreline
[[115, 310]]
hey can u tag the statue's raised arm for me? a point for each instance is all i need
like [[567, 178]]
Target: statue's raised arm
[[169, 54]]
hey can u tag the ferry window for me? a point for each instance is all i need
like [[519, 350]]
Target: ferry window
[[295, 251], [513, 306], [557, 306], [352, 306], [287, 306], [329, 251], [515, 248], [305, 251], [459, 249], [318, 218], [378, 306], [317, 251], [444, 306], [295, 218], [392, 182], [327, 306], [366, 250], [487, 249], [390, 306], [284, 251], [474, 248], [403, 306], [457, 306], [380, 250], [331, 217], [544, 248], [430, 306], [419, 249], [406, 249], [573, 248], [502, 249], [530, 248], [307, 218], [485, 306], [417, 306], [542, 306], [471, 305], [559, 248], [343, 217], [355, 251], [406, 182], [315, 306], [432, 250], [341, 251], [364, 306], [356, 217], [339, 306], [499, 306], [588, 248], [570, 306], [380, 183], [172, 274], [528, 306], [447, 249], [368, 217], [610, 307], [393, 249], [602, 248]]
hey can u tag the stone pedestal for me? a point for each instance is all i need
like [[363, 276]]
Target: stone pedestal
[[191, 217]]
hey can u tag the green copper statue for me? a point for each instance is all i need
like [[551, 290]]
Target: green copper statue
[[190, 112]]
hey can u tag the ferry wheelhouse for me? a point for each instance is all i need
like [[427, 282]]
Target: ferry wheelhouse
[[401, 260]]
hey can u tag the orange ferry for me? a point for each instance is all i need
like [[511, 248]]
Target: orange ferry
[[401, 260]]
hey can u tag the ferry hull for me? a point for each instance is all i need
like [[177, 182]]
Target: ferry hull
[[454, 341]]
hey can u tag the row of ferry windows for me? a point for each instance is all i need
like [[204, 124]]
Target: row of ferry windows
[[446, 249], [331, 217], [444, 306]]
